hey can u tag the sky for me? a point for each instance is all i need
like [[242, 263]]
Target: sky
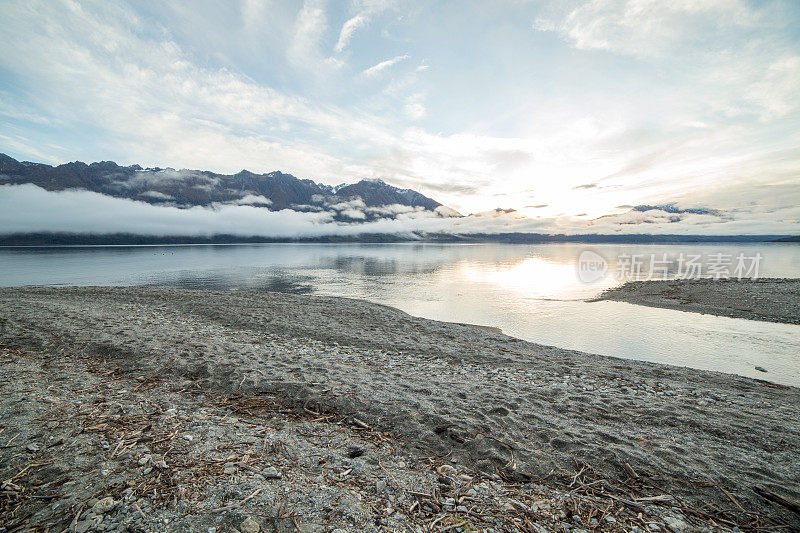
[[568, 112]]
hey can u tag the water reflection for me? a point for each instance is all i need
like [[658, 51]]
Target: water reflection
[[532, 292]]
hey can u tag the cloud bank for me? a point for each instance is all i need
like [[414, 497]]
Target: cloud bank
[[28, 208]]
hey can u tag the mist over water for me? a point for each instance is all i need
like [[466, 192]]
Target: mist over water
[[531, 292]]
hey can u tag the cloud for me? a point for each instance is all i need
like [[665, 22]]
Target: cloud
[[415, 110], [542, 24], [253, 199], [649, 100], [156, 195], [348, 29], [383, 65], [28, 208], [89, 212], [309, 27], [645, 28], [153, 103]]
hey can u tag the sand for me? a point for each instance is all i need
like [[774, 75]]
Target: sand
[[769, 299], [526, 412]]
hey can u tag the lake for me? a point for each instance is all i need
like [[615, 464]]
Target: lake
[[533, 292]]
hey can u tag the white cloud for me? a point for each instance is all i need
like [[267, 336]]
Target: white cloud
[[383, 65], [541, 24], [348, 29], [652, 27], [27, 208], [309, 28], [156, 195], [703, 96], [253, 199], [160, 107]]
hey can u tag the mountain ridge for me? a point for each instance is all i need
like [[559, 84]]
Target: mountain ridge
[[368, 199]]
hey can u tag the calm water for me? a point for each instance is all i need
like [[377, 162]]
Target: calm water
[[531, 292]]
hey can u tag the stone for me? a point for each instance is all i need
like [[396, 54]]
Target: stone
[[380, 486], [103, 506], [32, 447], [143, 460], [249, 526], [676, 525], [446, 470], [229, 468], [518, 504], [271, 473], [761, 369]]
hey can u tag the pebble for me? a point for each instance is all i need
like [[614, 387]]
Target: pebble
[[380, 486], [32, 447], [446, 470], [229, 468], [272, 473], [103, 506], [249, 526], [143, 460], [676, 525]]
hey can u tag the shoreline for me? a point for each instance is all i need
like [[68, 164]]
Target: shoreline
[[498, 405], [766, 299]]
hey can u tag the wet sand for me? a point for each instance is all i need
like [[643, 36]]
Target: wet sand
[[528, 412]]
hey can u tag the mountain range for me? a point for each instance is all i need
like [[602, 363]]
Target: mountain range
[[369, 199]]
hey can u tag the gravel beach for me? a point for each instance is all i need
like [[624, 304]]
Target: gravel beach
[[661, 448], [769, 299]]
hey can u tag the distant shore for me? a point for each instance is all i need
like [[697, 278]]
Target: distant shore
[[132, 239], [498, 405], [768, 299]]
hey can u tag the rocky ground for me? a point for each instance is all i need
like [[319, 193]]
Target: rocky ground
[[770, 299], [156, 409]]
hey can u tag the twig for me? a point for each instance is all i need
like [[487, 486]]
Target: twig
[[454, 526], [777, 498], [726, 493], [237, 504]]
